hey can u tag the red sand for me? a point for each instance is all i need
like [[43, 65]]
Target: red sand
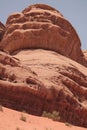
[[10, 120]]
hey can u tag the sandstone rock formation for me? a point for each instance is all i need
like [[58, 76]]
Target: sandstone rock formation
[[41, 26], [41, 80], [34, 76], [85, 53], [2, 30]]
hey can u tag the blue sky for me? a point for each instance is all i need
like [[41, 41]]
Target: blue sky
[[73, 10]]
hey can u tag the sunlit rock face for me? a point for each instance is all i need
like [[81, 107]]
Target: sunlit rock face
[[40, 71], [40, 80], [41, 26]]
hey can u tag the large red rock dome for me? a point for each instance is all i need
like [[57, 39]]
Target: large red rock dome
[[41, 26], [38, 73]]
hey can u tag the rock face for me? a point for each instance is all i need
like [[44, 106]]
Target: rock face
[[41, 80], [41, 27], [2, 30], [34, 76], [85, 53]]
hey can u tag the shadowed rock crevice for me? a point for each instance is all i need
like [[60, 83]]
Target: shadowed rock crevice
[[2, 30]]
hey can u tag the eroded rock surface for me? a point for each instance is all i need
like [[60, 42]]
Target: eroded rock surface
[[43, 80], [42, 27], [34, 76]]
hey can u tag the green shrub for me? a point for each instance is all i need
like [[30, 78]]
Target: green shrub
[[54, 115], [23, 117], [1, 108], [68, 124]]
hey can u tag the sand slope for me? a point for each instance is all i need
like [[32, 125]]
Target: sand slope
[[10, 120]]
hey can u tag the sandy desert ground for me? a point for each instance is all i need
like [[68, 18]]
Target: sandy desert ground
[[11, 120]]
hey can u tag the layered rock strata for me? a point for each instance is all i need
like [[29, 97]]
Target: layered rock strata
[[42, 27], [40, 80], [37, 73]]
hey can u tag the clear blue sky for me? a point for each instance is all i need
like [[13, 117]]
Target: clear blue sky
[[73, 10]]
